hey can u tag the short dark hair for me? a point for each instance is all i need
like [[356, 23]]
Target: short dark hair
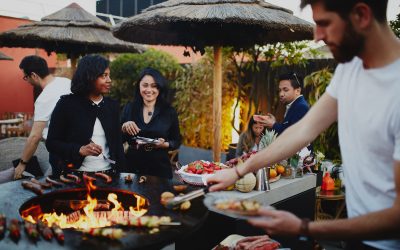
[[89, 68], [344, 7], [295, 80], [34, 64], [160, 80]]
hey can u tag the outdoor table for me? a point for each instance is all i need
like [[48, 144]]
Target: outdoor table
[[337, 196], [294, 195], [13, 196]]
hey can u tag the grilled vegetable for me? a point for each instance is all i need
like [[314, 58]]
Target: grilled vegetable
[[111, 233], [15, 230], [2, 225], [58, 232], [44, 230], [31, 231]]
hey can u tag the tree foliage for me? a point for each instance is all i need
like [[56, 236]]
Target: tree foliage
[[395, 25], [194, 98], [328, 141]]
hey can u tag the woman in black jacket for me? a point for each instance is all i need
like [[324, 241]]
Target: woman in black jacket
[[84, 132], [150, 116]]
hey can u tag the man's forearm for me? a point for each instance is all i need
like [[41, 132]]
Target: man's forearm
[[30, 147]]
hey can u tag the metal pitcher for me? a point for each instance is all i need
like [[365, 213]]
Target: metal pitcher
[[262, 179]]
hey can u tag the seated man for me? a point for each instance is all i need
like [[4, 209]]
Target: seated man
[[296, 106]]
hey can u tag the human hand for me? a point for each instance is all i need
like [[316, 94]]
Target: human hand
[[90, 149], [276, 222], [266, 120], [222, 179], [19, 170], [130, 128]]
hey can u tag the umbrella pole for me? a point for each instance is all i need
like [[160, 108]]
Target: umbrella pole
[[217, 106]]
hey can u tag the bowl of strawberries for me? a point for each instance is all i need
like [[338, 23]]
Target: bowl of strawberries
[[197, 172]]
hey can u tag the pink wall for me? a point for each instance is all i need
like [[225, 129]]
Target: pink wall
[[16, 95]]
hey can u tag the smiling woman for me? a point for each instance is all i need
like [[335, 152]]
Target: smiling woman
[[149, 115], [84, 134]]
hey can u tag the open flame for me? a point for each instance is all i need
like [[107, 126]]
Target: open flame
[[86, 217]]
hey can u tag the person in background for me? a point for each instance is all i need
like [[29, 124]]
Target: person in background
[[36, 73], [249, 140], [150, 116], [363, 97], [290, 85], [84, 131]]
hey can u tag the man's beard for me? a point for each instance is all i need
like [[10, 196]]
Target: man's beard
[[350, 46]]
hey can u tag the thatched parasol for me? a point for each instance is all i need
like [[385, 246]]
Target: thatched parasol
[[5, 57], [71, 30], [199, 23]]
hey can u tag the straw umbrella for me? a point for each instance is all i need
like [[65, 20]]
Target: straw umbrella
[[200, 23], [71, 30], [5, 57]]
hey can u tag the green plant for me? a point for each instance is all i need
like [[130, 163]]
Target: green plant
[[193, 101], [328, 141], [395, 25], [125, 71]]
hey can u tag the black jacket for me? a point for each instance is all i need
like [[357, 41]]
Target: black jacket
[[71, 127], [163, 124]]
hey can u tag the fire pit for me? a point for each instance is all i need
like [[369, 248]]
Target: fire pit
[[70, 200]]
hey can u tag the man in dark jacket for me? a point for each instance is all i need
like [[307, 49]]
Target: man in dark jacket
[[290, 95]]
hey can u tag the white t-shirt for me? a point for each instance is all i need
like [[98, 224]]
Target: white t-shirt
[[97, 163], [369, 135], [47, 100]]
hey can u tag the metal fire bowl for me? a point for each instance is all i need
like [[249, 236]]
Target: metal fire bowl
[[14, 198]]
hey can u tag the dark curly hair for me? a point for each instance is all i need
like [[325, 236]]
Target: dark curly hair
[[90, 67], [160, 80]]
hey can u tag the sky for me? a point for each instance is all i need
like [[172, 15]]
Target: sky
[[393, 8], [36, 9]]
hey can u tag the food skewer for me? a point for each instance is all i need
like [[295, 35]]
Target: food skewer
[[31, 231], [44, 230], [58, 232], [2, 225], [15, 230], [37, 189]]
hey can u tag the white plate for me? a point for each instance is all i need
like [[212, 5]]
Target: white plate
[[210, 201], [194, 179]]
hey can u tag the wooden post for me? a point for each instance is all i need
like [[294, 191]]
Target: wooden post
[[217, 106]]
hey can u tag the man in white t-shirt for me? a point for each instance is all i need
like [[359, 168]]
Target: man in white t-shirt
[[36, 72], [364, 98]]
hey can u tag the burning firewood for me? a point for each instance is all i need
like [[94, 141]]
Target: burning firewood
[[42, 184], [106, 177], [53, 182], [110, 233], [33, 187], [79, 204], [15, 230], [44, 230], [31, 231], [58, 232], [2, 225]]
